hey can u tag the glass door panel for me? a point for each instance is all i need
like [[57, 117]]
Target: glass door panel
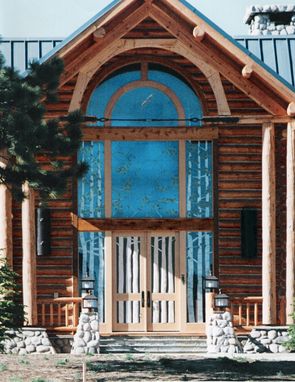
[[162, 283], [128, 283]]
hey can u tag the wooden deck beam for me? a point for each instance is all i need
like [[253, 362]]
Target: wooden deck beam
[[151, 133], [180, 224]]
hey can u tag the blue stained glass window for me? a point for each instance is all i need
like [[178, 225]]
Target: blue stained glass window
[[198, 259], [91, 184], [102, 94], [145, 103], [92, 262], [190, 102], [145, 180], [199, 177]]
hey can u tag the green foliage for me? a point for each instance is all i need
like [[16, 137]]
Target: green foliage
[[3, 367], [11, 310], [62, 362], [25, 134], [291, 343], [24, 362], [15, 379]]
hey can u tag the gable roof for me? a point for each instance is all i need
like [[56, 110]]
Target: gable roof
[[217, 49], [90, 23]]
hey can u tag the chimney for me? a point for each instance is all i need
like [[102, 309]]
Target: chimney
[[270, 19]]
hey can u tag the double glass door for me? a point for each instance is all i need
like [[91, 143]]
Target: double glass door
[[145, 282]]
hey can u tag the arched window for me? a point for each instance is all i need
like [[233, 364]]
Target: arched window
[[154, 97]]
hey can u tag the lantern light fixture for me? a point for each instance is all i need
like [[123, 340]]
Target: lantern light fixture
[[87, 284], [221, 300], [90, 302], [211, 282]]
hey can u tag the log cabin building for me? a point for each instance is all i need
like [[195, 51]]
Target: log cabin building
[[191, 165]]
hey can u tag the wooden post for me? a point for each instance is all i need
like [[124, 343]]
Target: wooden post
[[268, 225], [290, 246], [5, 216], [209, 303], [29, 255]]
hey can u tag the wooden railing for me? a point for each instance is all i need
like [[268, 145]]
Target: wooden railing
[[247, 311], [59, 314]]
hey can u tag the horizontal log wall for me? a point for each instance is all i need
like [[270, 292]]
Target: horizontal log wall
[[239, 186], [54, 272]]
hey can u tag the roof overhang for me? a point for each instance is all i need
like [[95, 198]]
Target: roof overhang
[[194, 32]]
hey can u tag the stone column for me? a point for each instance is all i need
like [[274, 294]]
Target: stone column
[[221, 336], [86, 339]]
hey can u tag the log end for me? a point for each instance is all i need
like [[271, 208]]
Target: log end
[[291, 109], [199, 33]]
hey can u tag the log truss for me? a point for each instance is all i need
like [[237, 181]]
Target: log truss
[[190, 37]]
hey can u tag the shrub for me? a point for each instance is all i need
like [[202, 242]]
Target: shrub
[[11, 310], [291, 343]]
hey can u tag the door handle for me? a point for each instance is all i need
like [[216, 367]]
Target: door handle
[[142, 299], [148, 302]]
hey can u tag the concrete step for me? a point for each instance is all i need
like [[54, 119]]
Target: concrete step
[[152, 344]]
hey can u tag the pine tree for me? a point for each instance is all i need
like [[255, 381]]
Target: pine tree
[[11, 310], [25, 134]]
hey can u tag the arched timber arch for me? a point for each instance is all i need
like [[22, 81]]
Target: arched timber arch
[[121, 46], [100, 76]]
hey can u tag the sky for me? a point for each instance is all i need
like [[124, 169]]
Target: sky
[[60, 18]]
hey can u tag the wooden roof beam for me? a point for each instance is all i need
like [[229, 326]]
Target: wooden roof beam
[[169, 45], [228, 46], [124, 27], [227, 69], [93, 27]]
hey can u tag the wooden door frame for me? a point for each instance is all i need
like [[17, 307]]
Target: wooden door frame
[[183, 326]]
